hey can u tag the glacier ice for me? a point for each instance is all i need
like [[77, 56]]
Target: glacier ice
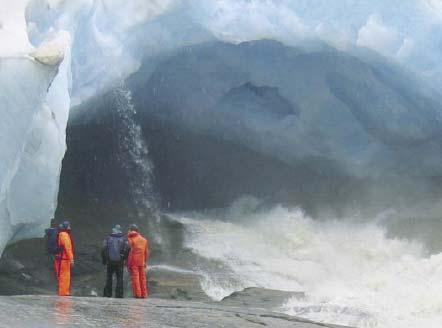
[[32, 146], [109, 39], [45, 43], [34, 106], [414, 24]]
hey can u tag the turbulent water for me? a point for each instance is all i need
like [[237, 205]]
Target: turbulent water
[[352, 273]]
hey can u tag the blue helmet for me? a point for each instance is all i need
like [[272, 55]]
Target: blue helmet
[[65, 225]]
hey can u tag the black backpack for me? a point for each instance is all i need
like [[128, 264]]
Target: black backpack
[[51, 236], [116, 248]]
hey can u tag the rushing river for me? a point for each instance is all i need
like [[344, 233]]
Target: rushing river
[[352, 273]]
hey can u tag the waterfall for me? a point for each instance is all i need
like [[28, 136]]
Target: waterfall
[[134, 153]]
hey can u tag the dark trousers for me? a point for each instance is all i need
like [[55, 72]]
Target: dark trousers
[[118, 269]]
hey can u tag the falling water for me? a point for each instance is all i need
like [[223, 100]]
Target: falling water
[[134, 153]]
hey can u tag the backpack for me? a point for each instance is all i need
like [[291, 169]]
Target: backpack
[[51, 236], [116, 248]]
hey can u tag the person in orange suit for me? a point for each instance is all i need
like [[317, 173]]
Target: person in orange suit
[[64, 260], [137, 261]]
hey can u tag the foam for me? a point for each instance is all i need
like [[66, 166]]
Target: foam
[[351, 273]]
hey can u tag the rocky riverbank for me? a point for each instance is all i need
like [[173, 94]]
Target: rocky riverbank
[[177, 299]]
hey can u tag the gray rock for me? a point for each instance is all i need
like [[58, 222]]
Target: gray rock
[[178, 286], [11, 266], [259, 298], [51, 311]]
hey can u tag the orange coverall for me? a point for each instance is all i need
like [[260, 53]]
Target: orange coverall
[[137, 262], [62, 264]]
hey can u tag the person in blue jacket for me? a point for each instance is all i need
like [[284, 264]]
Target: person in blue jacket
[[114, 253]]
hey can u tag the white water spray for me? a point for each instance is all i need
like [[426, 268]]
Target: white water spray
[[352, 274]]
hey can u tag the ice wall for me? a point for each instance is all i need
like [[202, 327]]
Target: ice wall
[[102, 42], [34, 106], [36, 62]]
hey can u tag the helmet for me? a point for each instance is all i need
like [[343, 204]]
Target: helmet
[[65, 225], [116, 229], [133, 227]]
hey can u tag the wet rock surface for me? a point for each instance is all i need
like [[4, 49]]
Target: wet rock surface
[[184, 286], [260, 298], [52, 311]]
